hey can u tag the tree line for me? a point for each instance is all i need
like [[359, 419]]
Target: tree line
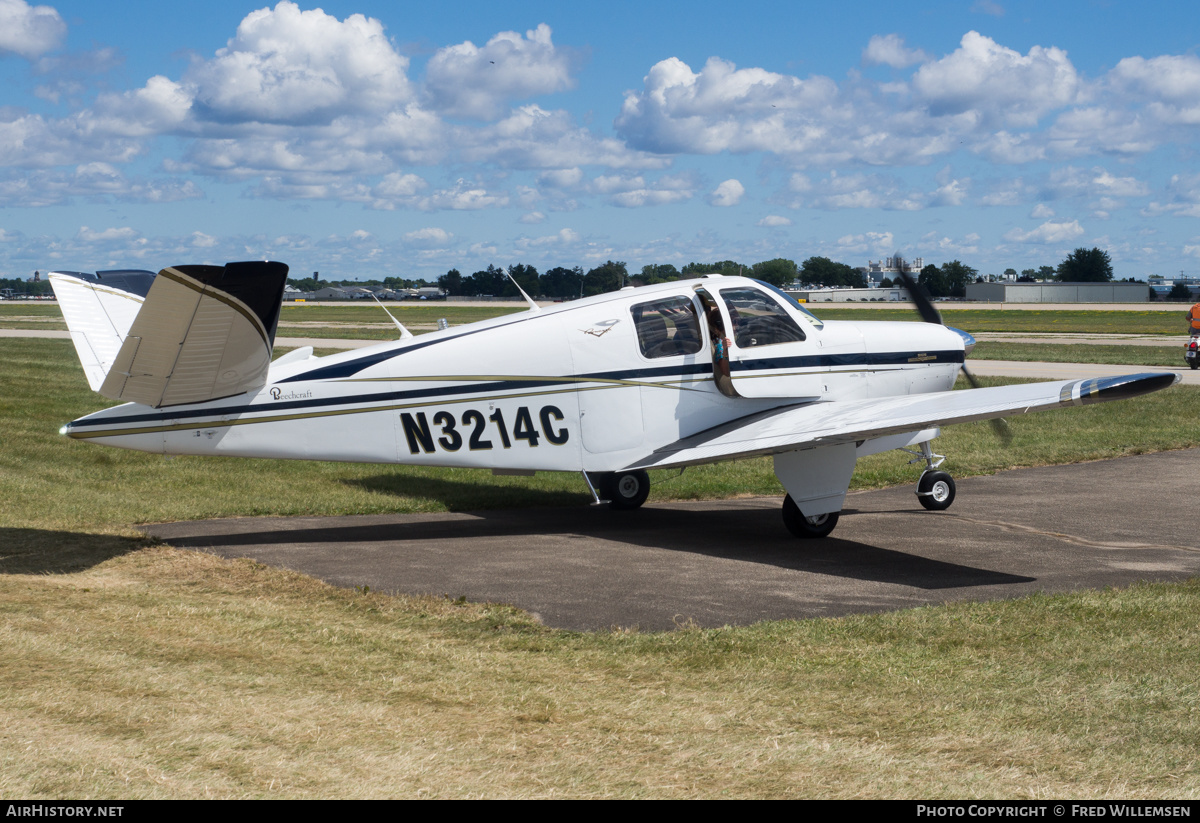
[[561, 282], [947, 280]]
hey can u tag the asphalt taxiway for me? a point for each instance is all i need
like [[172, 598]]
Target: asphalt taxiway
[[1052, 529]]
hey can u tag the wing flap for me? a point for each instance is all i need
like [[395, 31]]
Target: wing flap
[[817, 424]]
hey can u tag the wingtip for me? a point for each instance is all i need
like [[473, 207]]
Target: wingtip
[[1119, 387]]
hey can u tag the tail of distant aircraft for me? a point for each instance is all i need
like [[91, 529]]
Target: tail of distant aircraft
[[188, 335]]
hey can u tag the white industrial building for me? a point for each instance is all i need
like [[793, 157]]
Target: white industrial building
[[1058, 292], [891, 267]]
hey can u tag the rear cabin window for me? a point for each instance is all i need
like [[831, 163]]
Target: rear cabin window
[[758, 320], [667, 327]]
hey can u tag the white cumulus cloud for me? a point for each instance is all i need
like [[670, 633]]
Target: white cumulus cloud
[[773, 221], [431, 237], [468, 81], [729, 193], [463, 196], [721, 108], [1048, 233], [997, 82], [88, 235], [29, 31], [889, 50], [298, 67]]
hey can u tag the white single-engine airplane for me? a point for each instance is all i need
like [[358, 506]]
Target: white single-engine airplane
[[657, 377]]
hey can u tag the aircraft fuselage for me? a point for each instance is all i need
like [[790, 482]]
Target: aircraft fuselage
[[582, 386]]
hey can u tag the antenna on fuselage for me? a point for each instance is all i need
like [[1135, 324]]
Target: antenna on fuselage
[[404, 333], [532, 306]]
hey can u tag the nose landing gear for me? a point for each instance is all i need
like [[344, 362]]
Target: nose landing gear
[[935, 489]]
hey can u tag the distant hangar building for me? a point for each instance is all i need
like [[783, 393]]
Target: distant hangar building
[[1058, 292]]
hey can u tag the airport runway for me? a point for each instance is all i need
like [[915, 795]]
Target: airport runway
[[731, 562]]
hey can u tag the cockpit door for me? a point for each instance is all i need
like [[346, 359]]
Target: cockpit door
[[770, 355]]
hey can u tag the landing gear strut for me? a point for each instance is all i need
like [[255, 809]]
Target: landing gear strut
[[935, 489]]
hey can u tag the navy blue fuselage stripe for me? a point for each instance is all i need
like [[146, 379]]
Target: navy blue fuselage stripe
[[512, 385], [353, 367]]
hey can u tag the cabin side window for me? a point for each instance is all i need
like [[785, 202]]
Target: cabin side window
[[758, 320], [666, 328]]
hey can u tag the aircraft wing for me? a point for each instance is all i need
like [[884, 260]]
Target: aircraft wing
[[809, 425], [202, 333]]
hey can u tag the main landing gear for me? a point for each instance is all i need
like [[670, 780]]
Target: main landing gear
[[622, 490], [802, 526], [935, 489]]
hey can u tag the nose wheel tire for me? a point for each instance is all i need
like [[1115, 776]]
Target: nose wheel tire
[[801, 526], [627, 490], [936, 491]]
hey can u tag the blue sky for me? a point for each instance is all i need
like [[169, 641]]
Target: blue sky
[[372, 139]]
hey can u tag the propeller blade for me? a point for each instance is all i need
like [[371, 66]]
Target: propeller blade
[[930, 314], [920, 296]]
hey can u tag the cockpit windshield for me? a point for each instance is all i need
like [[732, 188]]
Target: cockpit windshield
[[791, 302]]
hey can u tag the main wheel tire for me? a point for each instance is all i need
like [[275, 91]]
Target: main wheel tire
[[627, 490], [801, 526], [936, 491]]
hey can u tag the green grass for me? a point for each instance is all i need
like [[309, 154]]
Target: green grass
[[31, 315], [368, 321], [29, 308], [415, 313], [137, 671], [1080, 353]]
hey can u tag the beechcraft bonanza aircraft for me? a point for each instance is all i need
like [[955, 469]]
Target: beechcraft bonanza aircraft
[[608, 386]]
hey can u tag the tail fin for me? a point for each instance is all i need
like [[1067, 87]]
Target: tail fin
[[99, 309], [202, 332]]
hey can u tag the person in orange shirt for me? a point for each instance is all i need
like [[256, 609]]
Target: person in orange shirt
[[1193, 317]]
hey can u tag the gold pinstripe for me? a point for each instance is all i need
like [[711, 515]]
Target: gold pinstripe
[[486, 378]]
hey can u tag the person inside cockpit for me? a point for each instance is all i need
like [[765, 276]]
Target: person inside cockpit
[[720, 350]]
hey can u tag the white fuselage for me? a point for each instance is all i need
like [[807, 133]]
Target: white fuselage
[[567, 388]]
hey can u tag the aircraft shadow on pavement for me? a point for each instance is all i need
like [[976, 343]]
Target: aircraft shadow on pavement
[[752, 535], [42, 551], [466, 495]]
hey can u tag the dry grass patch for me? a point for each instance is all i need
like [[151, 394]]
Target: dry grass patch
[[162, 673]]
